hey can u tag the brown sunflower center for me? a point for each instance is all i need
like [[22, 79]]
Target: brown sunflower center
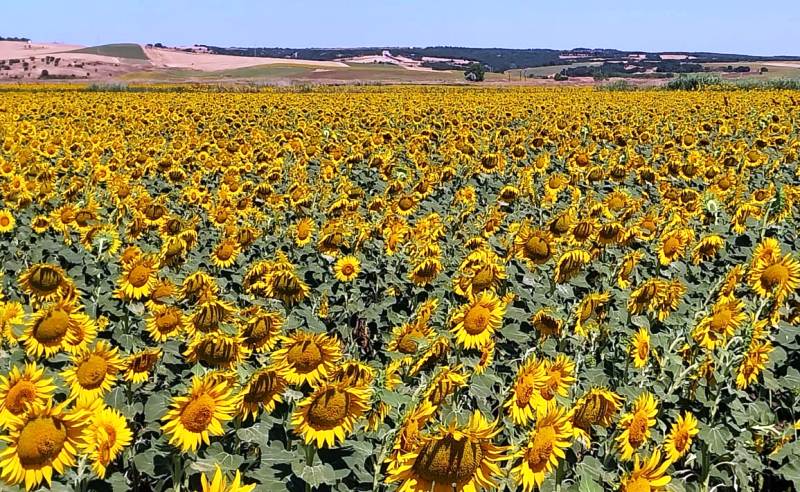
[[260, 328], [681, 440], [40, 442], [643, 349], [638, 429], [46, 279], [774, 275], [483, 279], [537, 249], [139, 275], [198, 413], [329, 409], [304, 356], [407, 343], [348, 269], [720, 320], [538, 454], [92, 372], [4, 221], [671, 246], [405, 203], [447, 460], [262, 389], [52, 328], [167, 321], [477, 319], [19, 395], [225, 251]]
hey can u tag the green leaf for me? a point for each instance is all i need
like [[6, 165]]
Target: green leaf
[[316, 475], [215, 455], [155, 408], [145, 462], [716, 437]]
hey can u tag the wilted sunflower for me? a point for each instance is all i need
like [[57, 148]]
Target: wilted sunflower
[[307, 358], [532, 245], [104, 438], [462, 457], [570, 263], [217, 350], [444, 383], [219, 483], [636, 425], [328, 415], [287, 287], [354, 373], [707, 248], [590, 312], [544, 449], [425, 270], [347, 268], [199, 414], [261, 330], [93, 372], [209, 315], [138, 279], [474, 324], [627, 267], [680, 435], [22, 388], [261, 393], [45, 282], [648, 475], [545, 323], [640, 348], [673, 245], [137, 366], [44, 439], [596, 407]]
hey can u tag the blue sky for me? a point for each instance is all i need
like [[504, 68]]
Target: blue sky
[[766, 27]]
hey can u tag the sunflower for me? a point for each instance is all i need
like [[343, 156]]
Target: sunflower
[[165, 322], [673, 245], [307, 358], [199, 414], [347, 268], [54, 328], [596, 407], [629, 263], [209, 315], [104, 438], [93, 372], [647, 475], [453, 456], [406, 338], [474, 324], [707, 248], [525, 392], [40, 224], [261, 330], [287, 287], [327, 416], [425, 271], [409, 432], [444, 383], [590, 312], [44, 439], [640, 348], [486, 358], [775, 278], [20, 389], [136, 367], [12, 315], [219, 483], [570, 263], [725, 318], [545, 448], [679, 439], [45, 282], [545, 323], [534, 246], [226, 252], [197, 284], [436, 351], [138, 279], [560, 376], [354, 373], [303, 232], [261, 393], [7, 221], [636, 425], [217, 350]]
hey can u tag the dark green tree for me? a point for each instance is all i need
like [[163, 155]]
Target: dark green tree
[[474, 72]]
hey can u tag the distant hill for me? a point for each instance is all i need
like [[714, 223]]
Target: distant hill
[[496, 59], [120, 50]]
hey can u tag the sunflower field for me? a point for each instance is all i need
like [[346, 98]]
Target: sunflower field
[[405, 288]]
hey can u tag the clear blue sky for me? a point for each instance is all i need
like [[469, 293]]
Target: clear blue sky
[[763, 27]]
